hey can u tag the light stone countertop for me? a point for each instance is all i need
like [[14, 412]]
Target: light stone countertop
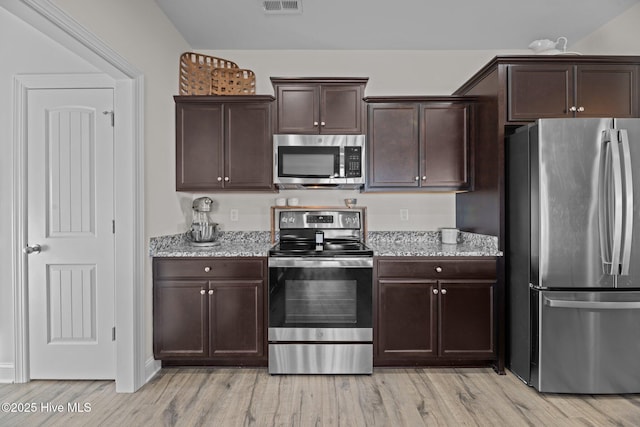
[[427, 243], [231, 244], [383, 243]]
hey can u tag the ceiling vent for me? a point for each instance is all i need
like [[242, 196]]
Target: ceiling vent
[[281, 7]]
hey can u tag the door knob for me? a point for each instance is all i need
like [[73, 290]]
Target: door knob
[[35, 249]]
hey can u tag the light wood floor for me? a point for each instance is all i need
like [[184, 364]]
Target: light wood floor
[[248, 397]]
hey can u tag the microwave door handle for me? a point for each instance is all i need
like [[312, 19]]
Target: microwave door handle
[[628, 201]]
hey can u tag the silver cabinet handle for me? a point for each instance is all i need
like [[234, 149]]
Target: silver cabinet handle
[[219, 178], [35, 249], [424, 178], [573, 108], [315, 123], [323, 124], [207, 269], [226, 179], [443, 292], [438, 269], [202, 292], [210, 291], [580, 109], [417, 178], [435, 292]]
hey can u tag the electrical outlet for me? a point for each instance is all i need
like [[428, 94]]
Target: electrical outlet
[[233, 214], [404, 214]]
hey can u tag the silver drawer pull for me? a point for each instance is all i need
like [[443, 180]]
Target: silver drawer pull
[[435, 292], [202, 292], [210, 291], [438, 269], [443, 292], [207, 269]]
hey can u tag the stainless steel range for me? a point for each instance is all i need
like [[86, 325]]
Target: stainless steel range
[[321, 294]]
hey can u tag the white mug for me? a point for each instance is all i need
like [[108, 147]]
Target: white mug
[[281, 201], [449, 236], [292, 201]]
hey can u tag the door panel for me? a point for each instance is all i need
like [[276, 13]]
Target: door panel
[[393, 146], [566, 185], [235, 318], [589, 342], [632, 126], [539, 91], [199, 139], [606, 91], [467, 319], [248, 149], [445, 146], [70, 213], [407, 319]]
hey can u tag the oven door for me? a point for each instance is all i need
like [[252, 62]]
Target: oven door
[[317, 299]]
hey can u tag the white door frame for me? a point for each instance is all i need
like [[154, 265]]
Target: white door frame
[[128, 82]]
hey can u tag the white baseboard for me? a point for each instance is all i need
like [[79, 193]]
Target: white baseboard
[[151, 368], [7, 373]]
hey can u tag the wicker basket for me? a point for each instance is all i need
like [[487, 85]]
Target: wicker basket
[[196, 71], [233, 81]]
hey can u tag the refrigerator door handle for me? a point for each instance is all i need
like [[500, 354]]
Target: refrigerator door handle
[[604, 184], [593, 305], [623, 137], [611, 198]]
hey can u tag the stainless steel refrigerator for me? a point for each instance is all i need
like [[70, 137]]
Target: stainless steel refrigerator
[[573, 255]]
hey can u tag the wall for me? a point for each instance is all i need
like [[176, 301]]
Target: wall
[[24, 50], [620, 36]]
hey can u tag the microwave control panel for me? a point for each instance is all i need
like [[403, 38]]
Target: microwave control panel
[[352, 162]]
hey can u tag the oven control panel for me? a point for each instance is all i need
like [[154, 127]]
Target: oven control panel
[[320, 219]]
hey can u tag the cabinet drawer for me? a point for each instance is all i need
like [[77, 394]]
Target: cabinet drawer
[[208, 268], [437, 268]]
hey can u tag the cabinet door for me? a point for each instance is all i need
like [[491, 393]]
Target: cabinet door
[[445, 146], [393, 145], [199, 139], [606, 91], [406, 320], [341, 109], [180, 327], [539, 91], [466, 319], [298, 109], [248, 148], [236, 318]]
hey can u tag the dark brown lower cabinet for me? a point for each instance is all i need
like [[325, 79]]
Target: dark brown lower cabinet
[[434, 311], [209, 311]]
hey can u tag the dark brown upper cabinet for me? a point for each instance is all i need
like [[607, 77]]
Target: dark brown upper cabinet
[[319, 106], [223, 143], [561, 90], [419, 144]]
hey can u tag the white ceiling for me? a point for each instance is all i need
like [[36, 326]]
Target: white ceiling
[[388, 24]]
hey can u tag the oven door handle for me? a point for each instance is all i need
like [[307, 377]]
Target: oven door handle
[[321, 262]]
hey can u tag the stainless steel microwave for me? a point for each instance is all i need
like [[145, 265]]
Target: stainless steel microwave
[[319, 161]]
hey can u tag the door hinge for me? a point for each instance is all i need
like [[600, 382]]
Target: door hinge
[[113, 226], [113, 333], [112, 114]]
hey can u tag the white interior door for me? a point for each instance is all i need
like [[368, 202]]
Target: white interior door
[[70, 208]]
